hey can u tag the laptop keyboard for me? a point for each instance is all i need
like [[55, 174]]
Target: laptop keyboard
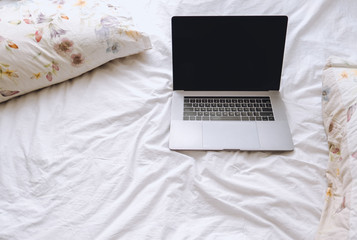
[[227, 109]]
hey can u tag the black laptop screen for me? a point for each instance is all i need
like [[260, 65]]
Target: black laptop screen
[[228, 53]]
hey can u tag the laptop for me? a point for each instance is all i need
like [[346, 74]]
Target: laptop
[[226, 80]]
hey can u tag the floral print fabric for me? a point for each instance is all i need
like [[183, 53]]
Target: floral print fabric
[[339, 103], [47, 42]]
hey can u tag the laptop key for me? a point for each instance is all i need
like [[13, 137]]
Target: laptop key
[[189, 114], [266, 114], [222, 118]]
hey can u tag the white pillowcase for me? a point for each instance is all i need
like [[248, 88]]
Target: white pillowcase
[[46, 42]]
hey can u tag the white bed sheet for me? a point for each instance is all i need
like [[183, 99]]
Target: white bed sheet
[[89, 158]]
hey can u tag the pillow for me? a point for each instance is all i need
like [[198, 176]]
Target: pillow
[[339, 108], [47, 42]]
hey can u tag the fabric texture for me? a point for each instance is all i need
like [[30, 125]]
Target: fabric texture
[[47, 42], [339, 104]]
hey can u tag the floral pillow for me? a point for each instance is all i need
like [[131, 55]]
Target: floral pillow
[[339, 105], [47, 42]]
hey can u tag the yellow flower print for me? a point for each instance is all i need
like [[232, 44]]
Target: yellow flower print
[[10, 73], [133, 34], [80, 3], [64, 17], [329, 192], [6, 72], [344, 74], [36, 75]]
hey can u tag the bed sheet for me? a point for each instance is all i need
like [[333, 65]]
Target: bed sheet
[[89, 158]]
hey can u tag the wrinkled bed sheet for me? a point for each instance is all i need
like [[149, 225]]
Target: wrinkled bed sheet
[[89, 158]]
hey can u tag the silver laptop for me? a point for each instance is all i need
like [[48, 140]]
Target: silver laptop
[[226, 80]]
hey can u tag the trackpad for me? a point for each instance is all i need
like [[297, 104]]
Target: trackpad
[[230, 135]]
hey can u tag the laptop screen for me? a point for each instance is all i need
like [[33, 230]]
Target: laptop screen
[[228, 53]]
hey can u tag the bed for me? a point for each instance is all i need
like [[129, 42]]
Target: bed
[[84, 151]]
